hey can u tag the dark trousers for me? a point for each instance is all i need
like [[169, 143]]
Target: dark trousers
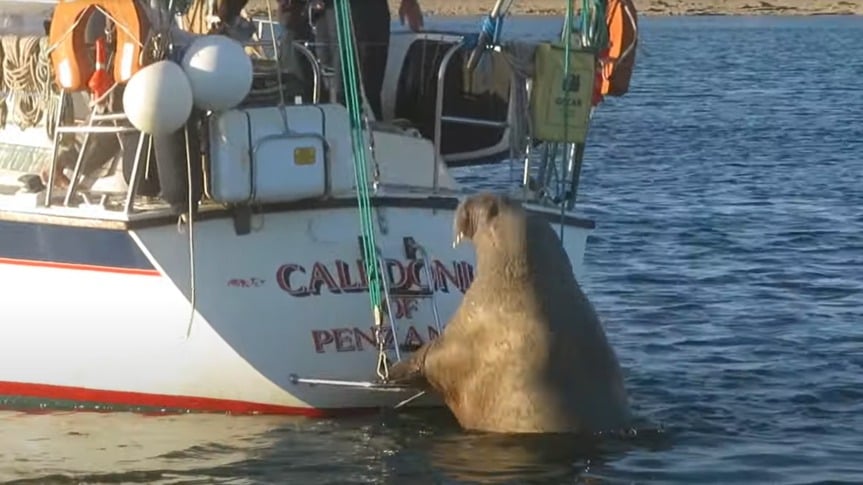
[[371, 19]]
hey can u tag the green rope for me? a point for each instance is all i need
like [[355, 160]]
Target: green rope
[[353, 102], [592, 22], [567, 35], [594, 32], [594, 36], [567, 48]]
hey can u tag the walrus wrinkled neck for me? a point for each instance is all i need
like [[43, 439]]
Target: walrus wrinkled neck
[[515, 268], [503, 254]]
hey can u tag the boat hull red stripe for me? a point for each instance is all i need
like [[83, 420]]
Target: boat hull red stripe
[[79, 267], [71, 247], [170, 403]]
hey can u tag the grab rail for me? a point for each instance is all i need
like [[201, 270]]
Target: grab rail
[[440, 118], [302, 47]]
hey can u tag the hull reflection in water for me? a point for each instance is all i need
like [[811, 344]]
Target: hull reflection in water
[[109, 446]]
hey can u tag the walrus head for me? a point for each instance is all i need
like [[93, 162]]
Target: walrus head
[[509, 242], [477, 213]]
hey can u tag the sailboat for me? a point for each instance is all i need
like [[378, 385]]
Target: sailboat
[[181, 232]]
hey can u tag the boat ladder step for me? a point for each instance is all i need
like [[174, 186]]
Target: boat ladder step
[[413, 250], [98, 122], [368, 385]]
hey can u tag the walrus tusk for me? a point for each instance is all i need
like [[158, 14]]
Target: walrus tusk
[[457, 239]]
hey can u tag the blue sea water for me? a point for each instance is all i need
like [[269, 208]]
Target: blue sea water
[[727, 266]]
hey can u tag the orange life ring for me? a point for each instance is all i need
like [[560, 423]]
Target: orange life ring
[[69, 56], [617, 67]]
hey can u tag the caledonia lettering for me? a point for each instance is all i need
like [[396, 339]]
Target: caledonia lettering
[[404, 277]]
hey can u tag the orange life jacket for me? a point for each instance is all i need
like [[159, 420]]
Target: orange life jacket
[[69, 57], [622, 21]]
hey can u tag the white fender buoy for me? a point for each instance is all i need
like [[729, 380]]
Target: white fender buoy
[[219, 71], [158, 98]]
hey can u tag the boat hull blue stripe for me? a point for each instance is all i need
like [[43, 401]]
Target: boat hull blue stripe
[[71, 245]]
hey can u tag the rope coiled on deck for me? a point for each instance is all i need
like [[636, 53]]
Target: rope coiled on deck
[[26, 75]]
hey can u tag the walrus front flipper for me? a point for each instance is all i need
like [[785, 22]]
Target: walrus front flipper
[[438, 365], [410, 372]]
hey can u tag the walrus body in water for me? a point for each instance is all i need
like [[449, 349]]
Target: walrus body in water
[[525, 351]]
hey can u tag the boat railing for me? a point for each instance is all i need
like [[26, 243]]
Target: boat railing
[[440, 117], [269, 39], [117, 123], [551, 161], [550, 169], [546, 187], [96, 124], [304, 48]]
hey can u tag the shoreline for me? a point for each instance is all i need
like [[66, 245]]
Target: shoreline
[[645, 8]]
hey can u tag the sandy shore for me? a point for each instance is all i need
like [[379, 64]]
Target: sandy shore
[[645, 7], [657, 7]]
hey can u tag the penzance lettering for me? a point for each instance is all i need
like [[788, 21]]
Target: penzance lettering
[[356, 339]]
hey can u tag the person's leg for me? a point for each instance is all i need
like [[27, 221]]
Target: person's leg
[[327, 51], [372, 26], [295, 27], [371, 19]]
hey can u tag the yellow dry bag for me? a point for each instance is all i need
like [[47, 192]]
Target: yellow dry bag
[[553, 94]]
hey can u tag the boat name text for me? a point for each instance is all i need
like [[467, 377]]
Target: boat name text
[[404, 277], [356, 339]]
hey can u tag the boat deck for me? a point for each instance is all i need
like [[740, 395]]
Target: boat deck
[[107, 210], [150, 211]]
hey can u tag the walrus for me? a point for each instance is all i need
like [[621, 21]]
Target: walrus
[[525, 351]]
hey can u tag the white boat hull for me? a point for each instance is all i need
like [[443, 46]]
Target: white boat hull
[[102, 318]]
